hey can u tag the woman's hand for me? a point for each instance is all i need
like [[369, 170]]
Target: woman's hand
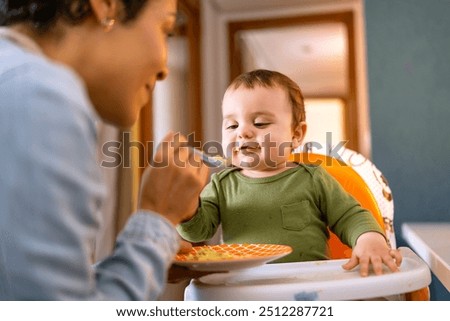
[[172, 184], [371, 249]]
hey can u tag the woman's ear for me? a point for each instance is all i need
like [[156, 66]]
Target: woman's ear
[[298, 134], [104, 9]]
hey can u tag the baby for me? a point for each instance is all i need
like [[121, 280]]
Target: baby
[[265, 198]]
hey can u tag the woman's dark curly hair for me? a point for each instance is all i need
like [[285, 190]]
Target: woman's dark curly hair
[[42, 14]]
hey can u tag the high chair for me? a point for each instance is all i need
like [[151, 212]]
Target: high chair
[[359, 177], [355, 185], [364, 181]]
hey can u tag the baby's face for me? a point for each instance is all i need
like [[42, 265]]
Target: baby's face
[[257, 128]]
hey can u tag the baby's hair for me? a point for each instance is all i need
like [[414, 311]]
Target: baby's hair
[[271, 79]]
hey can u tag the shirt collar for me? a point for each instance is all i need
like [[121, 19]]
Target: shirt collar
[[20, 39]]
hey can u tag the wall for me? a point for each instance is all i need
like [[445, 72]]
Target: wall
[[170, 96], [409, 87]]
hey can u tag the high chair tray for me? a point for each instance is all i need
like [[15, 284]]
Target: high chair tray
[[317, 280]]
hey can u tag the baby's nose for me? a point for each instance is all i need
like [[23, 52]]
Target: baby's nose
[[245, 131]]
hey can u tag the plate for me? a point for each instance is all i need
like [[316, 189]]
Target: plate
[[227, 257]]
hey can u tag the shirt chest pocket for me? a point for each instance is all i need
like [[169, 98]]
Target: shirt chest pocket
[[297, 216]]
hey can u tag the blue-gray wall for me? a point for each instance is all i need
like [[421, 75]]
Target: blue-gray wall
[[409, 86]]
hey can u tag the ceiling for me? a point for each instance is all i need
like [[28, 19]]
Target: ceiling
[[313, 55], [244, 5]]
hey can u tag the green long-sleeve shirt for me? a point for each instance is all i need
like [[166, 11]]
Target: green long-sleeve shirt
[[294, 208]]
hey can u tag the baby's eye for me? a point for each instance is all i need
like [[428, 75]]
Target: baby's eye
[[261, 124], [234, 126]]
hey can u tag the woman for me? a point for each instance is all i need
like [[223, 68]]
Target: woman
[[63, 65]]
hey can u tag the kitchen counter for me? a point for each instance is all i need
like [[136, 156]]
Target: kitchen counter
[[431, 241]]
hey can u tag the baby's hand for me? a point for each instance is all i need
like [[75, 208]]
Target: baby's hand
[[371, 249]]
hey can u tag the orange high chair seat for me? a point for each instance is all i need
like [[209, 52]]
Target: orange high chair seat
[[353, 183], [346, 174]]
